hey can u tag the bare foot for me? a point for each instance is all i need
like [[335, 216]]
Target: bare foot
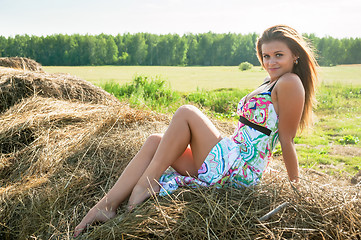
[[96, 214], [142, 192]]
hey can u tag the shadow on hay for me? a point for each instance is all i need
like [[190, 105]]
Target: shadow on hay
[[14, 142]]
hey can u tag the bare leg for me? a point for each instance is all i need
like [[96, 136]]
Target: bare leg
[[189, 126], [105, 209]]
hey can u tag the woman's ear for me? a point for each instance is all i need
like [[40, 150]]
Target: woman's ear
[[295, 59]]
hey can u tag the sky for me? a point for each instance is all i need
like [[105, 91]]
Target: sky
[[335, 18]]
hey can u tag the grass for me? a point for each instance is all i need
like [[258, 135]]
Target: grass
[[183, 79], [189, 79], [145, 91], [343, 74], [332, 143]]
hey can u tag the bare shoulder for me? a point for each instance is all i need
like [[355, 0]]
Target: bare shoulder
[[290, 83]]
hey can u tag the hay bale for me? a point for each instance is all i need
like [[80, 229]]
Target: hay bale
[[56, 153], [16, 85], [21, 63], [56, 125]]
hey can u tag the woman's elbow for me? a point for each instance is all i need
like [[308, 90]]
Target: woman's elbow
[[286, 139]]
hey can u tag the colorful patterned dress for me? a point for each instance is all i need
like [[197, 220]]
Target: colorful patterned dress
[[241, 159]]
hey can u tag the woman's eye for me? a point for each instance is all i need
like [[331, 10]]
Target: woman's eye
[[279, 55], [265, 56]]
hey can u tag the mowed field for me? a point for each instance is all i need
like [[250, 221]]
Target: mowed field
[[188, 79]]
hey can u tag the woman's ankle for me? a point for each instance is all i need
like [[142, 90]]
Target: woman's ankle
[[106, 205], [141, 192], [150, 186]]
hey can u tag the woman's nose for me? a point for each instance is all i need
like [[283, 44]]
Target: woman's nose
[[272, 61]]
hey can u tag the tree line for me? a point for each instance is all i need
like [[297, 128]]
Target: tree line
[[204, 49]]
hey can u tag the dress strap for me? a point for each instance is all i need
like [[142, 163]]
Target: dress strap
[[266, 82], [271, 88]]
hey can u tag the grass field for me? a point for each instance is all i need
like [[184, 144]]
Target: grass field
[[184, 79], [337, 118], [188, 79]]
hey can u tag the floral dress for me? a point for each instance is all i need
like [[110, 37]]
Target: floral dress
[[241, 159]]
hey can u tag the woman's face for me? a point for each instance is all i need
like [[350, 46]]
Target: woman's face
[[277, 59]]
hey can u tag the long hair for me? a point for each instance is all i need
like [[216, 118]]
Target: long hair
[[305, 68]]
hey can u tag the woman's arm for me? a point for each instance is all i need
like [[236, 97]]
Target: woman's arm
[[290, 96]]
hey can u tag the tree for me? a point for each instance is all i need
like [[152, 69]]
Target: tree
[[151, 40], [355, 51], [206, 49], [192, 53], [111, 51], [164, 51], [178, 46], [137, 49], [3, 45]]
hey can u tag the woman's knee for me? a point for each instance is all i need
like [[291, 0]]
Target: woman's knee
[[154, 139], [187, 110]]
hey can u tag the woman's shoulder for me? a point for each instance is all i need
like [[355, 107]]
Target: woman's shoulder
[[289, 77], [289, 83], [289, 80]]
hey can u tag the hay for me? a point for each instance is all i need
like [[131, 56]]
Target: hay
[[16, 85], [56, 153], [21, 63], [58, 157], [316, 211]]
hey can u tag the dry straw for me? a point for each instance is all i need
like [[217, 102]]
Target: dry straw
[[59, 154], [21, 63], [17, 84]]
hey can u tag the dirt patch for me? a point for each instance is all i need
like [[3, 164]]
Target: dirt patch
[[345, 150]]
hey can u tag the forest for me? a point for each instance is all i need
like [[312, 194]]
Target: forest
[[203, 49]]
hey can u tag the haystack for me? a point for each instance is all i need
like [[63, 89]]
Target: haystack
[[21, 63], [59, 154], [15, 85]]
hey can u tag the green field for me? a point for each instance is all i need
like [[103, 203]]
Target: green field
[[330, 145], [188, 79]]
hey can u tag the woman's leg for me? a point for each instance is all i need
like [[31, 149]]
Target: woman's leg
[[105, 209], [189, 126], [199, 133]]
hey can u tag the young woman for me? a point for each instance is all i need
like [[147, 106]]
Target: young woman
[[197, 153]]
